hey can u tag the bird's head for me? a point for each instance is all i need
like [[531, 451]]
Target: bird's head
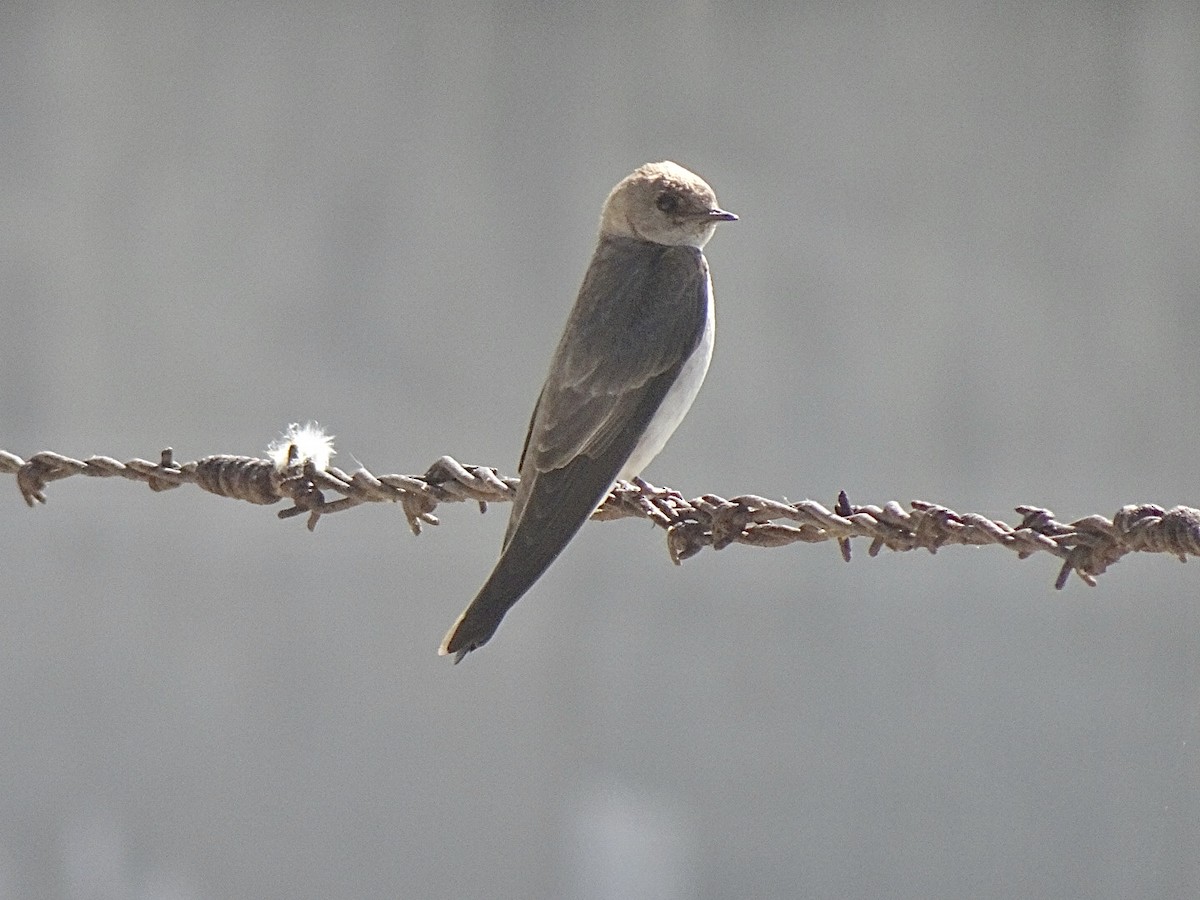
[[663, 203]]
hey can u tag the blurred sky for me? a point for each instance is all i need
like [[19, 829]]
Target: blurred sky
[[966, 271]]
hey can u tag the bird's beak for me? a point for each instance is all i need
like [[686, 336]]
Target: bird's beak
[[719, 215]]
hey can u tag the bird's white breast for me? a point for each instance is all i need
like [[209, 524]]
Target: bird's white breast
[[678, 399]]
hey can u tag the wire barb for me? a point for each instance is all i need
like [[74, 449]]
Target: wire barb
[[1087, 546]]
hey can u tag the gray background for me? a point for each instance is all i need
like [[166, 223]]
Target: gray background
[[966, 271]]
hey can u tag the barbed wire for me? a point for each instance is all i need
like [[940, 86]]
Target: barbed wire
[[1086, 546]]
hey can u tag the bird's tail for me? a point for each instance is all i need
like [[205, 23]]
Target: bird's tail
[[470, 631], [521, 564], [557, 505]]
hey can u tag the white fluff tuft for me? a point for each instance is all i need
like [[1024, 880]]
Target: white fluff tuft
[[311, 443]]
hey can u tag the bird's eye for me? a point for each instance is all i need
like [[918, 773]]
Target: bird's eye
[[667, 201]]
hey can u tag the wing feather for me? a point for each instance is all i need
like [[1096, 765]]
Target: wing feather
[[649, 303]]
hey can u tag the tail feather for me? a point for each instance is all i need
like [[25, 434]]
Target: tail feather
[[561, 502], [466, 635], [479, 621], [521, 564], [556, 505], [513, 576]]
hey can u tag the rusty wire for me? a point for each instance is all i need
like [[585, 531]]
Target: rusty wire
[[1086, 546]]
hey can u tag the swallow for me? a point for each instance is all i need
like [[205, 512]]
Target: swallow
[[632, 356]]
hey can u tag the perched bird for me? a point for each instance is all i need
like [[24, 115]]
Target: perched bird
[[630, 361]]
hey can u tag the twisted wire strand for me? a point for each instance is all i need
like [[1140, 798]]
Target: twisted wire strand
[[1086, 546]]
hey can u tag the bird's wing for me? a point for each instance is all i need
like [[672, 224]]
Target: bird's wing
[[650, 303]]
